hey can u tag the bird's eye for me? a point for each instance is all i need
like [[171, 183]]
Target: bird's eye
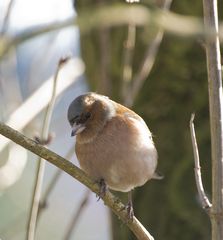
[[84, 117], [87, 115], [80, 119], [73, 120]]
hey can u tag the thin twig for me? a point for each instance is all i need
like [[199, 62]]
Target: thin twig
[[52, 184], [197, 169], [18, 220], [213, 56], [6, 17], [77, 215], [147, 62], [109, 16], [104, 83], [129, 46], [41, 97], [109, 199], [41, 162]]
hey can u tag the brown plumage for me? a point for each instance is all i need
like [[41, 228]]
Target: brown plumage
[[113, 143]]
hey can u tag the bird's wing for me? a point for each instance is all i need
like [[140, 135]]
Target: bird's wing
[[138, 122]]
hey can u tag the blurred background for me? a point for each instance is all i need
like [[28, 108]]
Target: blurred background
[[161, 76]]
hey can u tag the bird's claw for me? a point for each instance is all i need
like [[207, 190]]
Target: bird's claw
[[44, 142], [103, 189], [130, 211], [129, 208]]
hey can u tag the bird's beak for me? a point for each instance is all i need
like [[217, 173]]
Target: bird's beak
[[77, 128]]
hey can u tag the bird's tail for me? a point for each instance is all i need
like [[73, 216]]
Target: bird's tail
[[158, 176]]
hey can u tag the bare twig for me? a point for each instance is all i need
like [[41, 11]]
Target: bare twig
[[115, 16], [197, 169], [41, 162], [109, 199], [77, 214], [213, 56], [19, 219], [129, 46], [52, 184], [6, 17], [41, 97], [147, 62], [104, 85]]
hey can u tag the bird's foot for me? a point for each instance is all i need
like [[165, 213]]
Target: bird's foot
[[130, 211], [129, 208], [103, 188], [44, 142]]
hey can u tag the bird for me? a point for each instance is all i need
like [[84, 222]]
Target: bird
[[113, 145]]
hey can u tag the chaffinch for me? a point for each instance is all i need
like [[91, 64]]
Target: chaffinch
[[113, 144]]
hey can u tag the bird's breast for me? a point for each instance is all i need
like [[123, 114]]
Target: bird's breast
[[123, 154]]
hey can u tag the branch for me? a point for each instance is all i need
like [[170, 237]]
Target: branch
[[147, 62], [6, 17], [197, 169], [77, 215], [33, 213], [52, 184], [213, 56], [109, 199], [41, 97], [104, 83], [117, 15], [129, 46]]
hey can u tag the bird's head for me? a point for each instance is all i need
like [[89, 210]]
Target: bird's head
[[88, 113]]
